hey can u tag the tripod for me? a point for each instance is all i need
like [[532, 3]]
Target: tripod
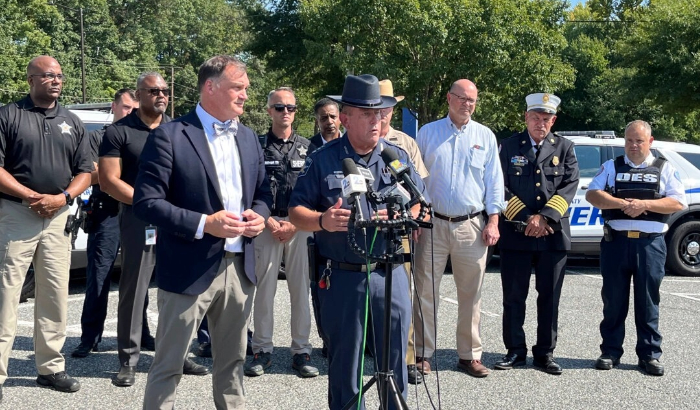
[[384, 377]]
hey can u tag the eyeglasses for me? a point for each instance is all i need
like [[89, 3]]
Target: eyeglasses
[[464, 100], [50, 76], [155, 92], [281, 107]]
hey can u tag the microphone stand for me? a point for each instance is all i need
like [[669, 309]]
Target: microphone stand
[[384, 377]]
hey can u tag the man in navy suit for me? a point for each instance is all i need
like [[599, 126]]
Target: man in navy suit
[[202, 183]]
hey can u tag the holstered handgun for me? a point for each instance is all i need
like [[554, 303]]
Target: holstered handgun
[[607, 233]]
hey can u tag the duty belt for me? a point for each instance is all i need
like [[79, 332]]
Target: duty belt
[[635, 234], [350, 266], [457, 218]]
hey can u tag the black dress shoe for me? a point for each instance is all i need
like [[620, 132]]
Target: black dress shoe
[[652, 367], [606, 362], [59, 381], [84, 349], [414, 376], [148, 343], [510, 361], [548, 365], [203, 350], [126, 376], [192, 368]]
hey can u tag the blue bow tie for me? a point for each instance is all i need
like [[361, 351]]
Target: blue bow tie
[[229, 126]]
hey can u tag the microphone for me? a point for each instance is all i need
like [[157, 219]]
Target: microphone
[[400, 171], [353, 185]]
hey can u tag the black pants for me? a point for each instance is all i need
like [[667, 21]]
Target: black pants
[[138, 262], [641, 260], [102, 249], [516, 268]]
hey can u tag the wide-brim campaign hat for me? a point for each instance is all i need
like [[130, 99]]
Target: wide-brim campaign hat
[[362, 91], [543, 102], [386, 88]]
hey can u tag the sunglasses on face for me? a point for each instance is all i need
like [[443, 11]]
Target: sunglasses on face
[[156, 91], [281, 107], [50, 76]]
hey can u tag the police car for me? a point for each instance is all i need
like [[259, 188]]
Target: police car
[[592, 149]]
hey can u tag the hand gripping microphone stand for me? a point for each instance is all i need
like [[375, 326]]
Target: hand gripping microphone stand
[[384, 377]]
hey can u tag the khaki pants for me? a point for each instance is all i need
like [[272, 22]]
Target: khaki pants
[[410, 348], [226, 303], [462, 242], [26, 238], [269, 252]]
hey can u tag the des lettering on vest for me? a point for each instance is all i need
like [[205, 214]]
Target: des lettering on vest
[[636, 177]]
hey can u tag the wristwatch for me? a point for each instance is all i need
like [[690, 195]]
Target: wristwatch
[[68, 198]]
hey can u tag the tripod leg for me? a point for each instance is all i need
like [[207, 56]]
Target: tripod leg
[[353, 402], [399, 401]]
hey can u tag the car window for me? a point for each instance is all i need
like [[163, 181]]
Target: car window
[[692, 157], [92, 126], [589, 159]]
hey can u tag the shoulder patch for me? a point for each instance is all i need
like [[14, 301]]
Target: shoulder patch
[[307, 164]]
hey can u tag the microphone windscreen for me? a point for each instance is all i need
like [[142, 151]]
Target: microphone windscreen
[[389, 155], [349, 167]]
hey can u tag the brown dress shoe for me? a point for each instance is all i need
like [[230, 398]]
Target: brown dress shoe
[[423, 364], [474, 367]]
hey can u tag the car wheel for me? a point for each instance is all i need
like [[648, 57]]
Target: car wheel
[[28, 287], [683, 257]]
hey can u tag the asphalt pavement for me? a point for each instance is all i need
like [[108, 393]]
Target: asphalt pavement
[[579, 387]]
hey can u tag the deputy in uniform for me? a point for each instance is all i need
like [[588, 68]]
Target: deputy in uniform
[[541, 177], [285, 153], [316, 205], [44, 164], [637, 193], [102, 227]]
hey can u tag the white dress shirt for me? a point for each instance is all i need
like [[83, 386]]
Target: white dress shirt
[[227, 161], [670, 186], [465, 172]]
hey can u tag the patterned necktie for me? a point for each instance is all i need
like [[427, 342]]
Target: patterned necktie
[[224, 128]]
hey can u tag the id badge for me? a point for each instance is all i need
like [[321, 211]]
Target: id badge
[[151, 234]]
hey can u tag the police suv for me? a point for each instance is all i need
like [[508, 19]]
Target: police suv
[[592, 149]]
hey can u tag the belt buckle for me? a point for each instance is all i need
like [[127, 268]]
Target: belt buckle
[[450, 218], [633, 234]]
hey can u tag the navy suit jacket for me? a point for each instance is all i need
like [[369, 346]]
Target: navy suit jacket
[[176, 184]]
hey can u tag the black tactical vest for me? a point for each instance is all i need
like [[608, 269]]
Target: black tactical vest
[[636, 183]]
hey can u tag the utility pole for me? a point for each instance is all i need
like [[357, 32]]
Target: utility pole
[[82, 54], [172, 92]]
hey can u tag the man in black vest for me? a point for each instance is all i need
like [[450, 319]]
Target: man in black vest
[[637, 193], [541, 177]]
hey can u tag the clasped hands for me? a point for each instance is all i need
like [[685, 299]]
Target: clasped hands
[[46, 206], [225, 224]]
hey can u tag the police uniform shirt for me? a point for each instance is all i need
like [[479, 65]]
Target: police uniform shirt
[[125, 139], [284, 160], [43, 149], [670, 186], [319, 187]]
